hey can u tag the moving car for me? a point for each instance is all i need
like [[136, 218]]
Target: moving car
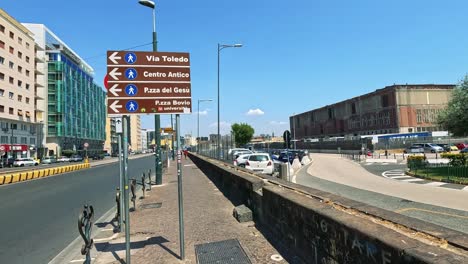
[[21, 162], [260, 162], [76, 158], [48, 160]]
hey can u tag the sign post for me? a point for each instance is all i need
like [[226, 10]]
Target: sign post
[[179, 185]]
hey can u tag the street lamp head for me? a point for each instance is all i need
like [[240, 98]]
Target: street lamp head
[[205, 100], [147, 3], [237, 45]]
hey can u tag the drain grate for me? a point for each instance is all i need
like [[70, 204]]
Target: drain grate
[[151, 206], [227, 251]]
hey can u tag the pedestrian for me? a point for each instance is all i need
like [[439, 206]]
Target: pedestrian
[[185, 153]]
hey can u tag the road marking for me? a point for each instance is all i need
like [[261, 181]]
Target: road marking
[[429, 211], [108, 229], [465, 189], [401, 177], [80, 260], [412, 180], [436, 183], [385, 163]]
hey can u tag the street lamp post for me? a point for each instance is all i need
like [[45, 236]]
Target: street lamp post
[[198, 120], [157, 118], [220, 47]]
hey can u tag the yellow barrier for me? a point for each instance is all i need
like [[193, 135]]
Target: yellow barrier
[[2, 179], [15, 177], [23, 176], [35, 174], [29, 175], [51, 172], [7, 179]]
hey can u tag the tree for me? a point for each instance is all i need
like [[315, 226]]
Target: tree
[[455, 117], [243, 133]]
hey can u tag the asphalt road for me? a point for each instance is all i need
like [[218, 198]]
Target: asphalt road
[[39, 217], [378, 169]]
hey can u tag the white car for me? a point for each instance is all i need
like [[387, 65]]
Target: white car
[[240, 161], [63, 159], [260, 162], [21, 162], [233, 150]]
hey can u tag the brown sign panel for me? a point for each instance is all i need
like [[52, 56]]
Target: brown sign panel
[[147, 74], [147, 58], [154, 90], [127, 106]]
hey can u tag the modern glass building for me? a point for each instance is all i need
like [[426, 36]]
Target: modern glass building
[[75, 105]]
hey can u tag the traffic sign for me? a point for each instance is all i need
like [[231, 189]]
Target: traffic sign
[[118, 125], [141, 82], [287, 138], [86, 144], [2, 148]]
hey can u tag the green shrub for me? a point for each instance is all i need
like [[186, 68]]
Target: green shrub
[[416, 160], [456, 160], [67, 152]]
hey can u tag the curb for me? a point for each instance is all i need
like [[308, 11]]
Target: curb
[[35, 174]]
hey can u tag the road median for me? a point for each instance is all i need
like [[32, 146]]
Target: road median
[[14, 177]]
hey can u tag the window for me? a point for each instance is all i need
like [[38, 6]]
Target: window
[[10, 95], [2, 92], [12, 80], [2, 108], [4, 139], [27, 86], [24, 140], [20, 69], [2, 76], [20, 55], [11, 110], [20, 40], [14, 140], [32, 141], [27, 59], [12, 35], [2, 60], [27, 100], [27, 45], [20, 98], [20, 83], [2, 44], [385, 100], [2, 28], [11, 65], [27, 72], [12, 50], [353, 108]]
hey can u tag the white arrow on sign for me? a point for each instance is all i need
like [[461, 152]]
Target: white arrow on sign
[[113, 57], [114, 73], [115, 106], [114, 90]]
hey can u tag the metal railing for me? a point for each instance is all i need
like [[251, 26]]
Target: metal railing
[[85, 223]]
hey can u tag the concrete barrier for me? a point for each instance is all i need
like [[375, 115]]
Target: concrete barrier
[[23, 176], [319, 227]]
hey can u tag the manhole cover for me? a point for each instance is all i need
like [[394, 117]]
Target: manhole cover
[[150, 205], [227, 251]]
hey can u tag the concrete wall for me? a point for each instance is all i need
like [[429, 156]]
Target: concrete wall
[[306, 224]]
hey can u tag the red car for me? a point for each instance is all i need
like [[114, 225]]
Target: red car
[[461, 146]]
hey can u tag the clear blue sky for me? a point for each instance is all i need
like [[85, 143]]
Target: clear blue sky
[[297, 55]]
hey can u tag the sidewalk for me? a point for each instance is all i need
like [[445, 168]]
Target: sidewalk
[[207, 217]]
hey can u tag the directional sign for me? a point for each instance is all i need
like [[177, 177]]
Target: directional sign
[[149, 106], [141, 82], [118, 125]]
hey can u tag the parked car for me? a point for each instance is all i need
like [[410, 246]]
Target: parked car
[[465, 150], [433, 148], [448, 147], [21, 162], [48, 160], [461, 145], [414, 149], [240, 161], [63, 159], [7, 162], [76, 158], [238, 153], [98, 156], [231, 151], [260, 162]]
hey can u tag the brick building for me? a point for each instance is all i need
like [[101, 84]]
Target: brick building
[[393, 109]]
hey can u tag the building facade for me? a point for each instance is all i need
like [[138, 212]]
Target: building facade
[[75, 105], [393, 109], [18, 122], [135, 133], [144, 139], [111, 143]]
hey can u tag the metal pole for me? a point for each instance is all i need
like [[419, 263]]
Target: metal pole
[[172, 139], [198, 124], [181, 198], [121, 198], [218, 136], [126, 193]]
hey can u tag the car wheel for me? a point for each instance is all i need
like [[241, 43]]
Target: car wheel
[[432, 151], [242, 165], [35, 164], [22, 165]]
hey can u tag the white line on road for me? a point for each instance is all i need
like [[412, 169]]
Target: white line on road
[[465, 189], [394, 174], [80, 260], [436, 183], [401, 177], [412, 180]]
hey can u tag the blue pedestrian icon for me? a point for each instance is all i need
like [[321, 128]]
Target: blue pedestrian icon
[[131, 90], [130, 73], [131, 106], [130, 57]]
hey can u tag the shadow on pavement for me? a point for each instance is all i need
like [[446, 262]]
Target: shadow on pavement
[[109, 247]]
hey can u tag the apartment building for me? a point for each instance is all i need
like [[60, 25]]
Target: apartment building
[[18, 123], [111, 143], [74, 104], [392, 109], [135, 133]]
